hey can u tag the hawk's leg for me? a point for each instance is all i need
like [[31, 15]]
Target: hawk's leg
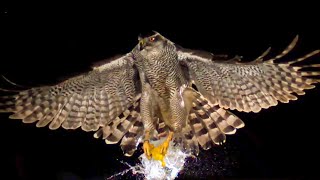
[[147, 116], [147, 147]]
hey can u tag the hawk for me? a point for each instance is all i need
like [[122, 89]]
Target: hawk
[[160, 90]]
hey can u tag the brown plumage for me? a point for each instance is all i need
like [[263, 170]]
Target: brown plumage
[[148, 94], [210, 123]]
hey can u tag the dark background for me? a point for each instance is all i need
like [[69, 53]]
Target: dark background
[[42, 44]]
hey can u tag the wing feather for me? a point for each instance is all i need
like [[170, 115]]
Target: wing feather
[[91, 100], [249, 86]]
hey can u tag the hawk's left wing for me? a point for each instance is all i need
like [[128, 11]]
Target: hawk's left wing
[[248, 86], [91, 100]]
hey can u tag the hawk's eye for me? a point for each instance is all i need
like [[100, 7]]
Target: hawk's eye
[[151, 39]]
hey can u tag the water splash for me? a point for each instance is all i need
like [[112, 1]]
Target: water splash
[[153, 170]]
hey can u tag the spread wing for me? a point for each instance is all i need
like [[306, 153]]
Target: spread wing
[[249, 86], [89, 101]]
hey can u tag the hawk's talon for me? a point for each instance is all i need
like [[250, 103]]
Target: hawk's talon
[[147, 148], [164, 147], [157, 155], [159, 152]]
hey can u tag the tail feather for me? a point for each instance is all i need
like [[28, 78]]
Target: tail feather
[[190, 143], [200, 130], [131, 139], [217, 115], [209, 124]]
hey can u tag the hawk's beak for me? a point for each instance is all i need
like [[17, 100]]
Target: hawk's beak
[[142, 44]]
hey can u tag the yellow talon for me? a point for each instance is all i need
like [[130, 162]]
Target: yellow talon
[[147, 148], [157, 153], [164, 146]]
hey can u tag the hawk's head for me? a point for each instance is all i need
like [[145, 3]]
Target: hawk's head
[[154, 42]]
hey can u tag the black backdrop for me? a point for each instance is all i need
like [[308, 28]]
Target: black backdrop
[[41, 44]]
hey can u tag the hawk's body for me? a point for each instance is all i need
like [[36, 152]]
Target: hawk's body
[[163, 85], [148, 94]]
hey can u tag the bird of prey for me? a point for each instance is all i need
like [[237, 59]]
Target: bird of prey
[[160, 90]]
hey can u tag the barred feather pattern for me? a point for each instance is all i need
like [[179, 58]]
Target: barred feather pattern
[[115, 130], [127, 126], [189, 140], [250, 86], [88, 101], [108, 97], [208, 125], [132, 138]]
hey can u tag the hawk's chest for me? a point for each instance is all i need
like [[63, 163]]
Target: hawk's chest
[[161, 75], [157, 76]]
